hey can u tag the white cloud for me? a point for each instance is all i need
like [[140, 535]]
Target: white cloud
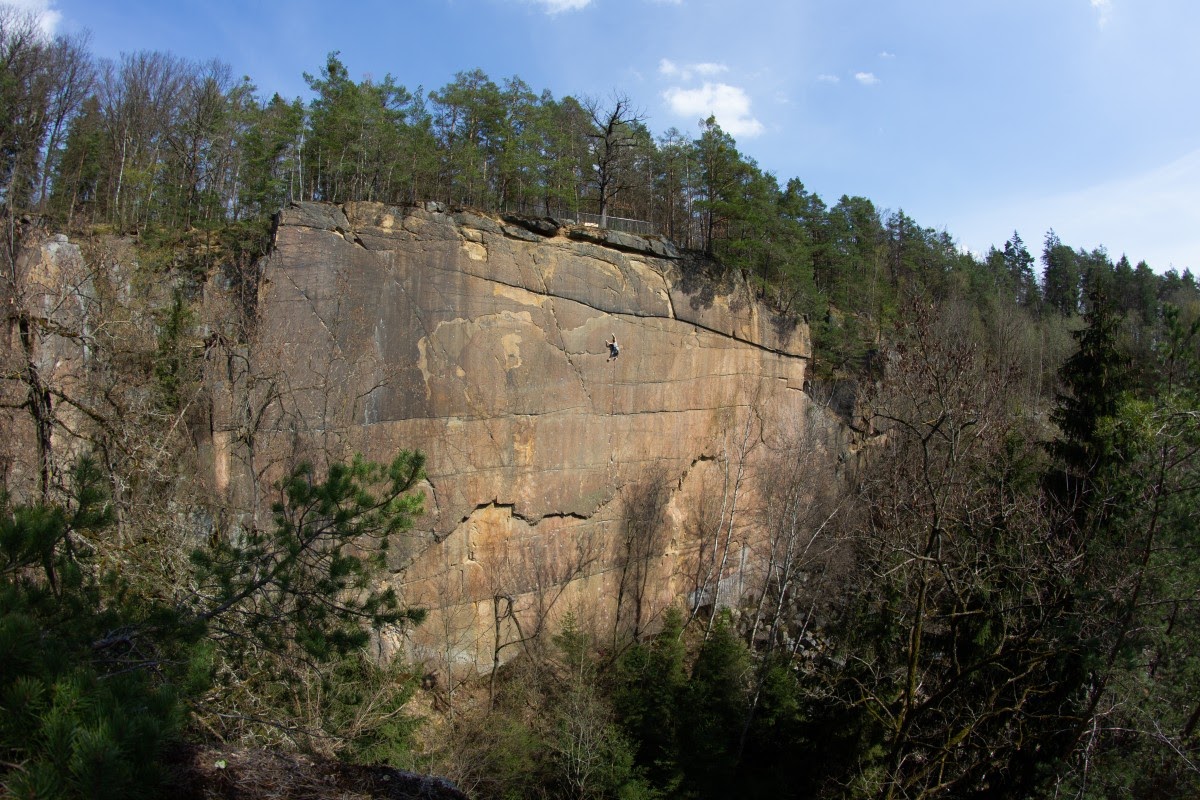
[[825, 77], [1152, 215], [866, 78], [48, 17], [729, 104], [1104, 7], [684, 72], [886, 54], [559, 6]]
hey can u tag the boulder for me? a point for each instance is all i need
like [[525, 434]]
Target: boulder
[[542, 226], [656, 246]]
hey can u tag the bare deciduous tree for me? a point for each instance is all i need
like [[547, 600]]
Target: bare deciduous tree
[[613, 136], [950, 637]]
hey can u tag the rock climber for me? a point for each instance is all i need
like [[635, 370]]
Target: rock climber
[[614, 349]]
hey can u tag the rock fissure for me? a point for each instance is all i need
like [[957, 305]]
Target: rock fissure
[[534, 521], [493, 503], [514, 512], [306, 300], [671, 317]]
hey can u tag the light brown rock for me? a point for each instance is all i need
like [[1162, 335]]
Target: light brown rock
[[483, 345]]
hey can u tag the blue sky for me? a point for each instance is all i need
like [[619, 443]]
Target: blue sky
[[973, 116]]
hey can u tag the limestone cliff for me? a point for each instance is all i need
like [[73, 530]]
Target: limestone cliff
[[558, 478]]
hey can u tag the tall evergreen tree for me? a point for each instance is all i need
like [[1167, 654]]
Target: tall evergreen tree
[[1093, 380], [1061, 276], [722, 171], [1019, 265]]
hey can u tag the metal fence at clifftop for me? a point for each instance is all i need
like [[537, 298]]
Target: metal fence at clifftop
[[622, 224]]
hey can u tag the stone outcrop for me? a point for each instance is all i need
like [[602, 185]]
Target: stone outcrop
[[50, 292], [558, 478]]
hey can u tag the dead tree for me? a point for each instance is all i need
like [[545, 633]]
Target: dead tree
[[614, 134]]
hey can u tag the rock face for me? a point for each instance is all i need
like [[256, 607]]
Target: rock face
[[558, 479], [53, 290]]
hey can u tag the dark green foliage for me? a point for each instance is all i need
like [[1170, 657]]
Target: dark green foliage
[[650, 681], [175, 360], [1018, 264], [270, 175], [952, 662], [1061, 276], [800, 742], [712, 710], [80, 734], [468, 121], [552, 731], [290, 609], [78, 170], [1094, 377], [590, 755], [364, 702], [1139, 521], [845, 342], [308, 580], [93, 676], [356, 130], [84, 712]]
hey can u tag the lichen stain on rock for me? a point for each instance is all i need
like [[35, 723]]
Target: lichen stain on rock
[[518, 295], [475, 251], [511, 344], [423, 364], [524, 446]]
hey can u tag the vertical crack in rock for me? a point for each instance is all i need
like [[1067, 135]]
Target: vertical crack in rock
[[562, 343], [670, 302], [333, 338], [437, 507], [540, 273], [427, 336]]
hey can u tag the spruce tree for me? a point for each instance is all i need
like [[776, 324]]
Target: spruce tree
[[1093, 380]]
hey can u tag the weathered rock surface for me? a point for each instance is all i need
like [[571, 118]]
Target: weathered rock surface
[[554, 473], [53, 291]]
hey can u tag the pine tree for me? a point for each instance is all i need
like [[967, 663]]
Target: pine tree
[[1061, 276], [84, 712], [1019, 265], [1094, 379]]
